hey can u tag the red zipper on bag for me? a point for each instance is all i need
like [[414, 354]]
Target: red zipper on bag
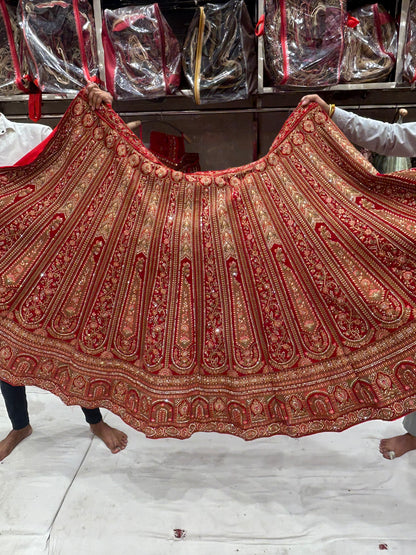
[[352, 21], [283, 41], [34, 90], [163, 47], [378, 22], [110, 61], [84, 62], [259, 31]]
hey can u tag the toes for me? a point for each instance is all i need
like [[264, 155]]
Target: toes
[[123, 440], [117, 448]]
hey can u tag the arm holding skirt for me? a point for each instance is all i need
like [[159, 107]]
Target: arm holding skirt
[[389, 139]]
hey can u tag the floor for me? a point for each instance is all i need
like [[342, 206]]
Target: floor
[[62, 492]]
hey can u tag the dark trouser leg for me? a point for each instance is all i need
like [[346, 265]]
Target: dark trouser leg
[[92, 416], [16, 404]]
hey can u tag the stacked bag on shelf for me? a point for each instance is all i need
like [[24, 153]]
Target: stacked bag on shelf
[[317, 43], [303, 41], [60, 43], [12, 62], [142, 55], [370, 45], [219, 53], [47, 46]]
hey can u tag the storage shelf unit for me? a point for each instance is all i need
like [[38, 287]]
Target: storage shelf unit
[[260, 115], [262, 90]]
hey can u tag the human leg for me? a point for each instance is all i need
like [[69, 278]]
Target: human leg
[[397, 446], [114, 439], [16, 406], [92, 416]]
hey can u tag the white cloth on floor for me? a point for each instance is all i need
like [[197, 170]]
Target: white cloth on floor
[[63, 492]]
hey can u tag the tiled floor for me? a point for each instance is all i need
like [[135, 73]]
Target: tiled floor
[[64, 493]]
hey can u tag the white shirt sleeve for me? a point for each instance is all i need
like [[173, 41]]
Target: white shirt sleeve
[[390, 139]]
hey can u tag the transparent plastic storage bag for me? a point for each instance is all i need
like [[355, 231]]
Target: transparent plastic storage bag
[[303, 41], [12, 66], [219, 53], [409, 63], [142, 54], [370, 45], [60, 42]]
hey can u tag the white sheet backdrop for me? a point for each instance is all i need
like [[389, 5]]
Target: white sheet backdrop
[[63, 493]]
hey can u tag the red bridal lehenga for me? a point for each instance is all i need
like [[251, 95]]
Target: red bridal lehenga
[[274, 298]]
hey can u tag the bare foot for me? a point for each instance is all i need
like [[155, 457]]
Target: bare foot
[[397, 446], [115, 440], [12, 440]]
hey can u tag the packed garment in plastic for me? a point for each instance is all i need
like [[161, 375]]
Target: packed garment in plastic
[[303, 41], [60, 42], [409, 64], [370, 45], [11, 62], [219, 54], [142, 54]]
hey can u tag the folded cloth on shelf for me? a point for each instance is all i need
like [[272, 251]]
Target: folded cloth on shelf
[[278, 297]]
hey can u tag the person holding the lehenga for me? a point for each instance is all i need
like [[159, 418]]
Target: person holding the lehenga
[[15, 141], [389, 140]]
